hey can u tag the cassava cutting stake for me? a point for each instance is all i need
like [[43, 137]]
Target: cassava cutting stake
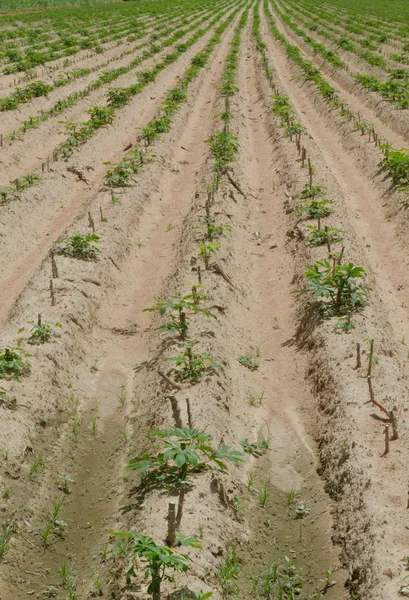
[[310, 171], [171, 537], [180, 505], [386, 432], [189, 414], [52, 292], [176, 412], [54, 267], [358, 356], [39, 320]]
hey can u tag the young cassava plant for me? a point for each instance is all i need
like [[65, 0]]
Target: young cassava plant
[[190, 366], [158, 560], [178, 308], [336, 288]]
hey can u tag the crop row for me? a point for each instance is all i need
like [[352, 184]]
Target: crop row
[[395, 162], [39, 88], [194, 447], [394, 90]]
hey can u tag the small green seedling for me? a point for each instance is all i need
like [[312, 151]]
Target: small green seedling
[[12, 363], [206, 251], [159, 560], [178, 308], [191, 366], [81, 246], [257, 449], [328, 235], [263, 495], [41, 332], [249, 360]]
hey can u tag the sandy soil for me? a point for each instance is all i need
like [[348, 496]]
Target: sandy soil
[[94, 391]]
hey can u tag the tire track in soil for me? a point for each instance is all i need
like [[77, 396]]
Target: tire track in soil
[[97, 471], [293, 460], [38, 229], [350, 92]]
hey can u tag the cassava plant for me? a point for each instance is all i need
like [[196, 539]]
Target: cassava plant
[[80, 245], [41, 332], [184, 452], [208, 229], [337, 288], [207, 250], [323, 236], [13, 364], [159, 560], [178, 308], [190, 366]]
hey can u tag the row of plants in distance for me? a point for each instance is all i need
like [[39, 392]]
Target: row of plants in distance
[[395, 162], [39, 88]]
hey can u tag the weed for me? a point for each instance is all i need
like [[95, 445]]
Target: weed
[[250, 480], [75, 428], [46, 532], [4, 452], [263, 495], [81, 246], [94, 425], [228, 572], [291, 497], [256, 399], [12, 363], [5, 537], [37, 467], [123, 435], [249, 361], [6, 493], [98, 585], [190, 366]]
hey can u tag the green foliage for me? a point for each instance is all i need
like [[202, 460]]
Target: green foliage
[[191, 367], [41, 333], [158, 560], [81, 246], [336, 288], [207, 250], [315, 209], [396, 163], [257, 449], [12, 363], [5, 537], [319, 237], [178, 308], [184, 451], [278, 581], [208, 228], [224, 147], [249, 360], [228, 572]]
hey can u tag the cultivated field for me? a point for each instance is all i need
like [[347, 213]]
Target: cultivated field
[[204, 349]]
